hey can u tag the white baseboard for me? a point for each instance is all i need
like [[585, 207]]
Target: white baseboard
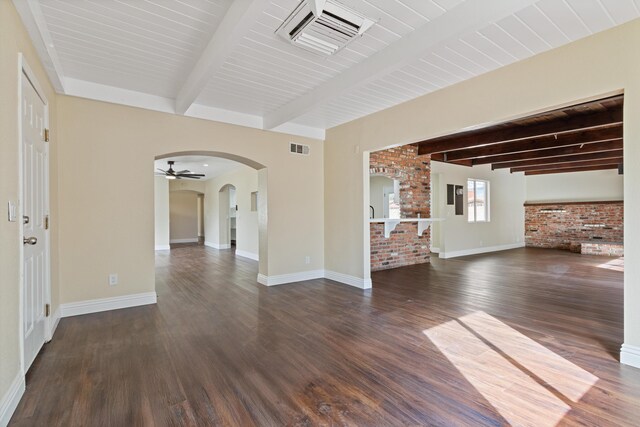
[[246, 254], [162, 247], [106, 304], [11, 398], [314, 274], [475, 251], [191, 240], [630, 355], [290, 278], [435, 250], [217, 245], [53, 323], [348, 279]]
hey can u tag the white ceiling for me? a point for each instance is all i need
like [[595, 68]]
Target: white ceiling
[[215, 166], [220, 59]]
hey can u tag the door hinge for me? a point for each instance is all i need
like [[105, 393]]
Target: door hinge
[[46, 222], [46, 135], [47, 310]]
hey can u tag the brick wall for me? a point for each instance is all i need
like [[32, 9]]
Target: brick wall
[[413, 173], [566, 225], [404, 246]]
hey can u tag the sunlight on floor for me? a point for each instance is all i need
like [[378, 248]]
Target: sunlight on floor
[[525, 382], [615, 264]]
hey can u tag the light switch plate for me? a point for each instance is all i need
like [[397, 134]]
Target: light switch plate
[[13, 212]]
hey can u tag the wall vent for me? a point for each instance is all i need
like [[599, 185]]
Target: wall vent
[[323, 26], [299, 149]]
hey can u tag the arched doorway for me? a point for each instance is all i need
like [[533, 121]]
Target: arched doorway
[[219, 230]]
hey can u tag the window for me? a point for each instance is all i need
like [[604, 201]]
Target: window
[[478, 200]]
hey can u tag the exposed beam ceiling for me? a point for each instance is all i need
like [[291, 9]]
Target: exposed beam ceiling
[[612, 161], [582, 169], [502, 133], [552, 152], [468, 16], [537, 143], [590, 133], [238, 20], [561, 159]]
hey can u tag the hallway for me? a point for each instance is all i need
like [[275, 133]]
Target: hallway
[[220, 349]]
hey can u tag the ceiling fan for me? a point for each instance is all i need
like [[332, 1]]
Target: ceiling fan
[[171, 174]]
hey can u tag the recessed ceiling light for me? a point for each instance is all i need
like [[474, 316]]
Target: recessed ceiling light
[[205, 165]]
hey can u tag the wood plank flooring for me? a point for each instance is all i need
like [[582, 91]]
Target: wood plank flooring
[[522, 337]]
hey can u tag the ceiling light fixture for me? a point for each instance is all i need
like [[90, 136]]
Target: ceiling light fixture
[[205, 165]]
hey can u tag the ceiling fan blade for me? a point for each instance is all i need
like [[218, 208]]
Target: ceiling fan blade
[[181, 172], [191, 174], [163, 171], [189, 177]]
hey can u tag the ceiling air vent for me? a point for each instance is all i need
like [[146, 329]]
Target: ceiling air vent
[[298, 149], [323, 26]]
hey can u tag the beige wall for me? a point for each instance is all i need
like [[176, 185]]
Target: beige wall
[[14, 39], [161, 212], [183, 216], [95, 135], [602, 64], [577, 187], [456, 235], [245, 181]]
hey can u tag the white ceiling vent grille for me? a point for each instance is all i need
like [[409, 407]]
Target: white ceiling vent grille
[[323, 26], [299, 149]]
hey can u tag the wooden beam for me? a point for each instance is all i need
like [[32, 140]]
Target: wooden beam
[[502, 133], [583, 169], [439, 157], [569, 165], [560, 159], [552, 152], [550, 141]]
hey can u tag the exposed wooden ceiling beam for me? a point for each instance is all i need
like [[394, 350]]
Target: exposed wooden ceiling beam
[[238, 20], [582, 169], [467, 16], [552, 152], [567, 165], [549, 141], [501, 133], [560, 159]]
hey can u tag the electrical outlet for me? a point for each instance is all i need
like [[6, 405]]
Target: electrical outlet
[[307, 260], [113, 279]]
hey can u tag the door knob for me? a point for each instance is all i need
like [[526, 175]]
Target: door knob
[[29, 240]]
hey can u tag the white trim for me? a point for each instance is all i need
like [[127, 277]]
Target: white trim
[[36, 26], [475, 251], [435, 250], [147, 101], [630, 355], [217, 245], [348, 279], [246, 254], [163, 247], [237, 22], [191, 240], [290, 278], [106, 304], [11, 398], [116, 95], [53, 323]]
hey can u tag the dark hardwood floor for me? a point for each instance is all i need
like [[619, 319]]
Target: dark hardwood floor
[[522, 337]]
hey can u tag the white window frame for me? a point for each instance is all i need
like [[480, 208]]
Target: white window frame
[[487, 204]]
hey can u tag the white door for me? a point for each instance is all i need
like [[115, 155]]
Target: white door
[[35, 203]]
